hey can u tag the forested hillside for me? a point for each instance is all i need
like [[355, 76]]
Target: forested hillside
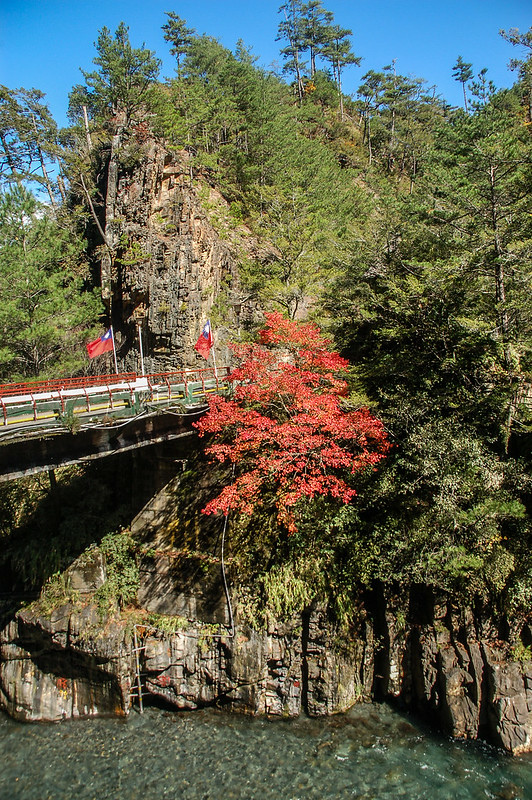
[[400, 225]]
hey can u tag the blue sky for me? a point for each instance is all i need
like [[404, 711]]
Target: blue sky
[[43, 43]]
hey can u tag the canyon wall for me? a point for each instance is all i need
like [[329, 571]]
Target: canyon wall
[[194, 648]]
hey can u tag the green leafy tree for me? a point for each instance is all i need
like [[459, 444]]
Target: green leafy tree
[[434, 309], [179, 36], [442, 514], [443, 311], [292, 29], [482, 88], [316, 24], [337, 50], [45, 307], [522, 66], [399, 120], [214, 104], [28, 140], [120, 87], [371, 93], [484, 168]]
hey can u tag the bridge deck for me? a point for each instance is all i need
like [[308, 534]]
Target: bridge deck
[[70, 402], [107, 414]]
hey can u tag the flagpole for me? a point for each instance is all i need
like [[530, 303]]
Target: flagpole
[[213, 353], [141, 353], [114, 349]]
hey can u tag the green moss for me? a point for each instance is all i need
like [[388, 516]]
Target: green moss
[[120, 588], [55, 593], [521, 654]]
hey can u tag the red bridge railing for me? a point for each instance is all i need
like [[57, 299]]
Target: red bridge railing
[[127, 378]]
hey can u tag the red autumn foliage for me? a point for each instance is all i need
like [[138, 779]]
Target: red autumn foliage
[[284, 428]]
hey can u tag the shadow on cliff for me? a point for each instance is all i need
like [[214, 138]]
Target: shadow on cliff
[[180, 568], [49, 520]]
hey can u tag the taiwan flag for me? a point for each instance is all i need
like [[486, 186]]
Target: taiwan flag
[[102, 345], [205, 341]]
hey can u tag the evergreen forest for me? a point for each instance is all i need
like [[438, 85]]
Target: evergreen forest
[[401, 226]]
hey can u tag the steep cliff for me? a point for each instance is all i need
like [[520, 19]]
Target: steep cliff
[[191, 646], [175, 258]]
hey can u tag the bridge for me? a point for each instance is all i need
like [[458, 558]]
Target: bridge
[[53, 423]]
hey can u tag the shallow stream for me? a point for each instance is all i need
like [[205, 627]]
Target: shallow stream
[[371, 753]]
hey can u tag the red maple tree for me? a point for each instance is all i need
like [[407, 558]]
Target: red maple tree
[[286, 428]]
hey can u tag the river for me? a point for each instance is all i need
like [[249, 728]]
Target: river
[[371, 753]]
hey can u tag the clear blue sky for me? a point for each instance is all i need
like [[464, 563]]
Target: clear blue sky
[[43, 43]]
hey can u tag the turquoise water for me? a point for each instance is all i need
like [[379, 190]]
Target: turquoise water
[[371, 753]]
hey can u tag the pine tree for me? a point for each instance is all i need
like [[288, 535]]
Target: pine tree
[[292, 29], [45, 309], [316, 23], [463, 73], [28, 140], [523, 67], [119, 88], [337, 50], [179, 36]]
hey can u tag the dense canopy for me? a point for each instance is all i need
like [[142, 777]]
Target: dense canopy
[[401, 225]]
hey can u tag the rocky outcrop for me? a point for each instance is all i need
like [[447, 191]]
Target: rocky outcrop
[[58, 667], [452, 665], [176, 255], [428, 655], [63, 662], [448, 666], [69, 665]]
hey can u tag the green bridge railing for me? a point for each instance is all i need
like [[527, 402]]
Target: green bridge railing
[[73, 402]]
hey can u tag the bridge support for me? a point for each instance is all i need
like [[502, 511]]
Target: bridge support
[[28, 456]]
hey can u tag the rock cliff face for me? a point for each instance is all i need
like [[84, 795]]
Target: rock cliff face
[[51, 670], [71, 664], [453, 666], [176, 253], [445, 663]]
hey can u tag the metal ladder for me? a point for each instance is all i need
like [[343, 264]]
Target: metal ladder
[[136, 690]]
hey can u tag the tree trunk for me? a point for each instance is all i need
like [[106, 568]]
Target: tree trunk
[[298, 75], [465, 98], [6, 150], [111, 233], [87, 131], [92, 209], [340, 95], [43, 168]]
